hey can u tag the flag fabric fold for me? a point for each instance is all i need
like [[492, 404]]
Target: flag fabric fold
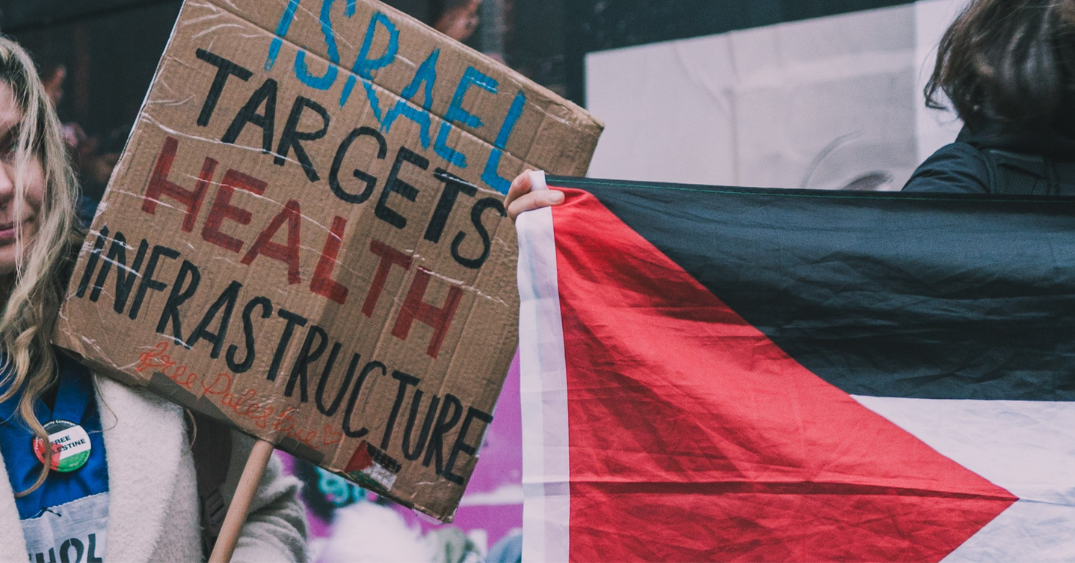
[[714, 374]]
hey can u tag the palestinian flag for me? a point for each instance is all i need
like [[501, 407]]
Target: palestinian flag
[[732, 374]]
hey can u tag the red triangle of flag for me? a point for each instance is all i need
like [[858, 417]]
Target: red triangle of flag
[[694, 437]]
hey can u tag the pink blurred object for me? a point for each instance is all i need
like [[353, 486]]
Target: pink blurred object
[[493, 504]]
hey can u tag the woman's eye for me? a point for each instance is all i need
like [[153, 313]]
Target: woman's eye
[[7, 147]]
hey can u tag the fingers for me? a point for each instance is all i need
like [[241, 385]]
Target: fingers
[[534, 200], [520, 186], [520, 197]]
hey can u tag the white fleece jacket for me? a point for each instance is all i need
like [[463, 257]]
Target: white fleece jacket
[[153, 499]]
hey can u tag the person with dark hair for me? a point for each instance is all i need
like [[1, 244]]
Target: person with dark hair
[[1008, 69], [95, 169]]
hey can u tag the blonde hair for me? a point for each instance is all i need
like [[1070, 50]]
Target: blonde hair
[[33, 303]]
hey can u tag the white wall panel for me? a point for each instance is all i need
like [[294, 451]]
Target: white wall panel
[[820, 103]]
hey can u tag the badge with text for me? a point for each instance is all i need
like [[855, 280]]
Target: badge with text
[[70, 446]]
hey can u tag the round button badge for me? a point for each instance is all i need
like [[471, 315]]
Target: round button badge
[[70, 446]]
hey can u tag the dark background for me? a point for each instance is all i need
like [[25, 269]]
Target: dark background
[[598, 25], [110, 48]]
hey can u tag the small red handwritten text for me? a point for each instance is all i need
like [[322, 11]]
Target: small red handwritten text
[[246, 403]]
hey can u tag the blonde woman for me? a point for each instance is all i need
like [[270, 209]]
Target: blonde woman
[[129, 492]]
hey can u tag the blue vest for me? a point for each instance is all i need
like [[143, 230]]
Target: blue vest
[[75, 402]]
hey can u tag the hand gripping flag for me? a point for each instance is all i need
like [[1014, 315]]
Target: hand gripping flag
[[730, 374]]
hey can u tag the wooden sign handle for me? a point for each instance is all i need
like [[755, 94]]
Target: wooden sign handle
[[240, 503]]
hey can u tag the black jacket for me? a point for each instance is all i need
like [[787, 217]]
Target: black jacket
[[963, 166]]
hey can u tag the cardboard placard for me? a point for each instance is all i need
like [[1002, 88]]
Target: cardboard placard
[[305, 236]]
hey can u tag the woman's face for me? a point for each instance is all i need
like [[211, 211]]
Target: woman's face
[[460, 22], [26, 215]]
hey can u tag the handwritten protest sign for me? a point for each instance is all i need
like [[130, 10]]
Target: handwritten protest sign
[[306, 236]]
